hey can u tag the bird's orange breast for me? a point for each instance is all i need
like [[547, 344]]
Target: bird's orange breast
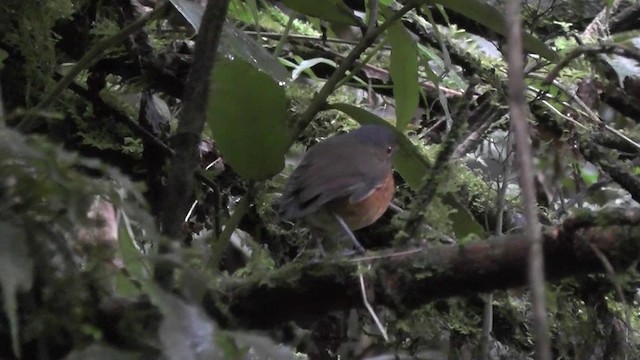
[[367, 211]]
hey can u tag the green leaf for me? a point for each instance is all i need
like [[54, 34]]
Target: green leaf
[[332, 10], [124, 286], [426, 53], [191, 11], [235, 43], [404, 72], [253, 6], [132, 259], [239, 10], [490, 17], [589, 175], [247, 114], [16, 273], [412, 165]]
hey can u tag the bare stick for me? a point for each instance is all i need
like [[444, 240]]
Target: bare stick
[[521, 132]]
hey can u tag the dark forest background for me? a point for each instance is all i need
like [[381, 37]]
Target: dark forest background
[[144, 143]]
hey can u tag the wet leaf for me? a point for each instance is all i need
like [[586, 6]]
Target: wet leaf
[[404, 72], [247, 114]]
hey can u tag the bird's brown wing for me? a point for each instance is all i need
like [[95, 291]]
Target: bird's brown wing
[[340, 171]]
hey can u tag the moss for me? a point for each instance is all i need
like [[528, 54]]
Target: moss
[[26, 26]]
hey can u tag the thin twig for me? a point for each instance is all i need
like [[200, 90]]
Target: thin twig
[[612, 49], [222, 242], [284, 36], [487, 318], [321, 97], [587, 111], [373, 14], [520, 127], [432, 180], [395, 254], [620, 172], [611, 274], [369, 308], [360, 65], [448, 65], [474, 137], [278, 36]]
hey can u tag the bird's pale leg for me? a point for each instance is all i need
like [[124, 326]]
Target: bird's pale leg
[[345, 228], [320, 253]]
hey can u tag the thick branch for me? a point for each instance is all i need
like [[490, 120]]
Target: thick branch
[[620, 172], [187, 138], [185, 143], [407, 281]]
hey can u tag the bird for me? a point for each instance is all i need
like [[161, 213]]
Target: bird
[[343, 183]]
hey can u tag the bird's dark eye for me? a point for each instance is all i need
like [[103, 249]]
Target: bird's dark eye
[[389, 150]]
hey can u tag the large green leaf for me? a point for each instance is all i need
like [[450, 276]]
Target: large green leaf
[[236, 43], [490, 17], [412, 165], [247, 114], [191, 11], [404, 72], [332, 10]]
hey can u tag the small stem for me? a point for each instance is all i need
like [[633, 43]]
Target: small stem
[[284, 36], [522, 138], [222, 242], [360, 65]]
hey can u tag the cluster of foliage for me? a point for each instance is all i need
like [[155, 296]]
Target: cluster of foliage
[[94, 110]]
